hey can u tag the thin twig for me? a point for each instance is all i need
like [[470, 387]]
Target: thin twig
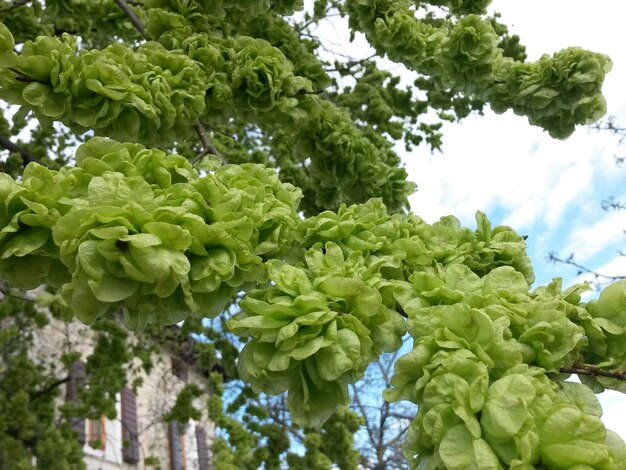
[[17, 4], [612, 204], [312, 92], [7, 293], [366, 421], [22, 77], [225, 134], [49, 388], [274, 415], [208, 147], [351, 63], [582, 269], [136, 22], [11, 147], [587, 369]]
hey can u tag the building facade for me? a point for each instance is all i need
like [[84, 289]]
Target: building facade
[[138, 438]]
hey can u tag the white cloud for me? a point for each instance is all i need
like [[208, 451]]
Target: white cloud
[[614, 407], [490, 161], [615, 267], [589, 241]]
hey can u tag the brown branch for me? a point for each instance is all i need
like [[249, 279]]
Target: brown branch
[[49, 388], [208, 147], [274, 415], [17, 4], [312, 92], [350, 64], [225, 134], [587, 369], [398, 436], [22, 77], [366, 421], [552, 257], [136, 22], [11, 147], [612, 204], [6, 292]]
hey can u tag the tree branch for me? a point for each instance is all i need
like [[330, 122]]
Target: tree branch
[[49, 388], [4, 290], [612, 204], [587, 369], [274, 415], [136, 22], [350, 64], [366, 420], [15, 5], [552, 257], [206, 143], [22, 77], [11, 147], [398, 436]]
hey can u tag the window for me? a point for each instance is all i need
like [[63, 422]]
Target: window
[[97, 433], [204, 461], [176, 435], [130, 449], [75, 383], [180, 369]]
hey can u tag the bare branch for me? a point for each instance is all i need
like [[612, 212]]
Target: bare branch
[[225, 134], [5, 291], [552, 257], [22, 77], [15, 5], [610, 125], [612, 204], [11, 147], [49, 388], [588, 369], [401, 416], [206, 143], [398, 437], [275, 414], [350, 64], [359, 403], [136, 22]]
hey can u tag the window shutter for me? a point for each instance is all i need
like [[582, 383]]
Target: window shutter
[[130, 438], [177, 459], [76, 383], [204, 462]]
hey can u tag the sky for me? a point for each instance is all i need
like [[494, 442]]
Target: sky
[[548, 189]]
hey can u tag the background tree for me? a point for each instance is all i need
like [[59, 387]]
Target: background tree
[[132, 228]]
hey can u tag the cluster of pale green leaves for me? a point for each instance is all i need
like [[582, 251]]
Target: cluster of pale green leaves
[[555, 93], [323, 319], [156, 93], [483, 350], [486, 348], [136, 228]]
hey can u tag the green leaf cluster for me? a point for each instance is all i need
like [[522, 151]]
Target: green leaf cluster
[[556, 93], [139, 229], [482, 349], [149, 94], [316, 330]]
